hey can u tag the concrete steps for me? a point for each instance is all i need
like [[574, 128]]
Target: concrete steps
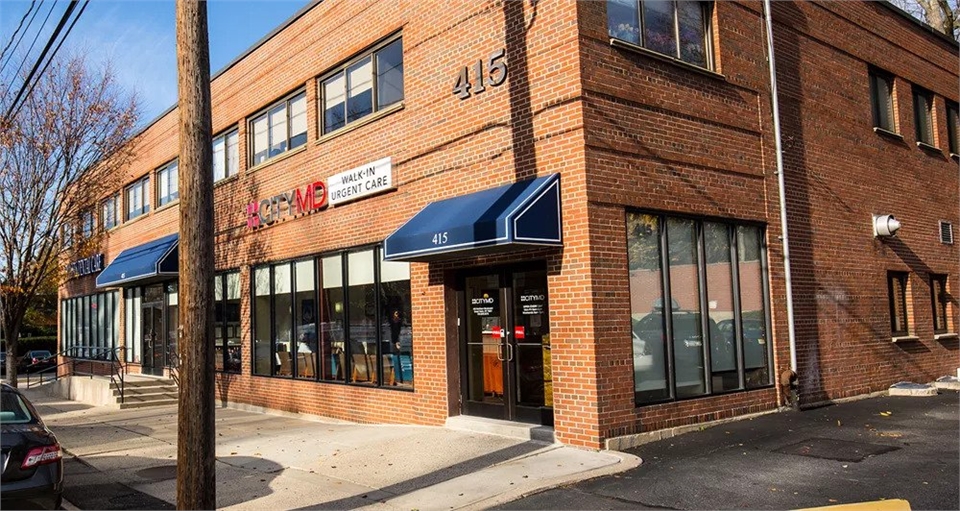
[[142, 392], [518, 430]]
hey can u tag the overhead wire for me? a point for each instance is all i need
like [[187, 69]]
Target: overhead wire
[[35, 38], [26, 29], [55, 50], [17, 31], [36, 66]]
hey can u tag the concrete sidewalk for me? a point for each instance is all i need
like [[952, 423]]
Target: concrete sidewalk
[[267, 461]]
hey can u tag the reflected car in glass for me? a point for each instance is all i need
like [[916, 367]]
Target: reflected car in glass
[[36, 360], [30, 456]]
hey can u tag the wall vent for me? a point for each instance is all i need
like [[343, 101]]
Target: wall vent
[[946, 233]]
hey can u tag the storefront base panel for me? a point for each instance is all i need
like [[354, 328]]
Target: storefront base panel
[[335, 401], [697, 412]]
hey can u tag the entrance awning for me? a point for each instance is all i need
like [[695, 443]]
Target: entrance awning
[[500, 219], [142, 264]]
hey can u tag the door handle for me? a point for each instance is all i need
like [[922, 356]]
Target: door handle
[[500, 352], [509, 352]]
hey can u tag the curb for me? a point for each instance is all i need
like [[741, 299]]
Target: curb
[[66, 504]]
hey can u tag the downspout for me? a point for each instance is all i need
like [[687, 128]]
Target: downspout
[[775, 101]]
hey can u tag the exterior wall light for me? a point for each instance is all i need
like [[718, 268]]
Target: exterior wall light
[[885, 226]]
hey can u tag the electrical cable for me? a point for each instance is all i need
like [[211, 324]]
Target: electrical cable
[[15, 32], [25, 30], [34, 43], [52, 55], [36, 65]]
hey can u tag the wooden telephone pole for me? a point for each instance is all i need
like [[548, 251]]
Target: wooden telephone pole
[[196, 445]]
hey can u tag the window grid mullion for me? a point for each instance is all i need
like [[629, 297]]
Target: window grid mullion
[[738, 340], [706, 341], [676, 28], [667, 305]]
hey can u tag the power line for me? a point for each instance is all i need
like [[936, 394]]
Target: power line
[[27, 54], [52, 55], [36, 65], [15, 32], [25, 30]]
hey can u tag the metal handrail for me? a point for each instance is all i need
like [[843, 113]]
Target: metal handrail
[[89, 355]]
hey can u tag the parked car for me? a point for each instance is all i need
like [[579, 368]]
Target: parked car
[[30, 456], [649, 339], [36, 360]]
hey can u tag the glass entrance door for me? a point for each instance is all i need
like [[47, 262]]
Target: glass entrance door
[[506, 346], [153, 332]]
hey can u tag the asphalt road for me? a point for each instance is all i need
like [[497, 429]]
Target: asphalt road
[[866, 450]]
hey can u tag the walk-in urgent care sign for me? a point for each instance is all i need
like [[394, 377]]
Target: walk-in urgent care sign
[[360, 182]]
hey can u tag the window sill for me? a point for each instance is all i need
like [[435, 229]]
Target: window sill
[[905, 338], [887, 133], [275, 159], [361, 123], [167, 205], [928, 147], [227, 179], [946, 336], [617, 43], [132, 220]]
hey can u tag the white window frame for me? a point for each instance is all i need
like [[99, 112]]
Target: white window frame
[[276, 115], [168, 183], [139, 187]]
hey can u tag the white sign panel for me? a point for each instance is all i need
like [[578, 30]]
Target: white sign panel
[[360, 182]]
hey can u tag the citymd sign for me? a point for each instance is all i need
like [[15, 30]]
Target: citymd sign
[[287, 204]]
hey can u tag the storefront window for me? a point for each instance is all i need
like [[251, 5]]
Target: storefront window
[[282, 320], [261, 306], [396, 330], [362, 308], [227, 317], [173, 324], [305, 305], [131, 324], [285, 299], [88, 325], [332, 353], [717, 310]]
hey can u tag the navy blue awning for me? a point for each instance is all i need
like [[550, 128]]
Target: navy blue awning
[[500, 219], [149, 262]]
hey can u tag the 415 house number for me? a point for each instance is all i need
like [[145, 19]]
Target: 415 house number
[[490, 71], [440, 238]]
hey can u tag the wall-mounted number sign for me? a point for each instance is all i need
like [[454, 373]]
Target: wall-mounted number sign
[[490, 71]]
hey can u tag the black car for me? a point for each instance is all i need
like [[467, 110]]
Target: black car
[[30, 456], [36, 360]]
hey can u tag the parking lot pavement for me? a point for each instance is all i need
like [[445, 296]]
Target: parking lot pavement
[[126, 459], [868, 450]]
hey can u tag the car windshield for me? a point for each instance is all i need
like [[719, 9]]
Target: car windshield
[[13, 410], [40, 354]]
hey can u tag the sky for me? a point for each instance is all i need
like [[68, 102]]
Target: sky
[[137, 38]]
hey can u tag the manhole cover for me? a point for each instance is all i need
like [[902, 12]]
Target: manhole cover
[[159, 473], [840, 450]]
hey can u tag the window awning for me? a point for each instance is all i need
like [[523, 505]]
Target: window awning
[[500, 219], [142, 264]]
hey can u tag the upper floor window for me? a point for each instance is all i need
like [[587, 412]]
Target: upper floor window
[[939, 300], [282, 127], [897, 287], [226, 156], [953, 127], [138, 198], [110, 211], [168, 184], [679, 29], [88, 222], [923, 115], [881, 100], [363, 86]]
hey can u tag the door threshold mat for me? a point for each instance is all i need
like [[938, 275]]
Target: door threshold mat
[[832, 449]]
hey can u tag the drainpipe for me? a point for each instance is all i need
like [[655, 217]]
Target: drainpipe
[[775, 100]]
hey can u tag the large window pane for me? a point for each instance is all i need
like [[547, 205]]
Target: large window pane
[[359, 90], [278, 129], [282, 320], [362, 330], [219, 320], [233, 153], [658, 28], [332, 349], [219, 158], [261, 140], [721, 320], [334, 101], [306, 309], [262, 320], [753, 316], [390, 74], [173, 325], [646, 308], [881, 88], [623, 20], [685, 301], [298, 121], [232, 317], [692, 31], [396, 329]]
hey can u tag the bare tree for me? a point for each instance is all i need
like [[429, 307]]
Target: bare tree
[[942, 15], [60, 152]]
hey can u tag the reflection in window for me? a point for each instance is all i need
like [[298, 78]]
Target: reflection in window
[[173, 324], [897, 285], [678, 29], [262, 336], [280, 128], [923, 115], [939, 299], [305, 305], [226, 160], [88, 325], [168, 184], [332, 350], [881, 100], [362, 329], [396, 330], [700, 257], [227, 318], [282, 320]]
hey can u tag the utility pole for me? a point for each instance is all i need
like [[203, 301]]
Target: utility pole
[[196, 446]]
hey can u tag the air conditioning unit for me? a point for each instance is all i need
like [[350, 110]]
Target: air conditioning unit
[[946, 233]]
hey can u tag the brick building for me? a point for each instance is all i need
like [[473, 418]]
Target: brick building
[[487, 212]]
